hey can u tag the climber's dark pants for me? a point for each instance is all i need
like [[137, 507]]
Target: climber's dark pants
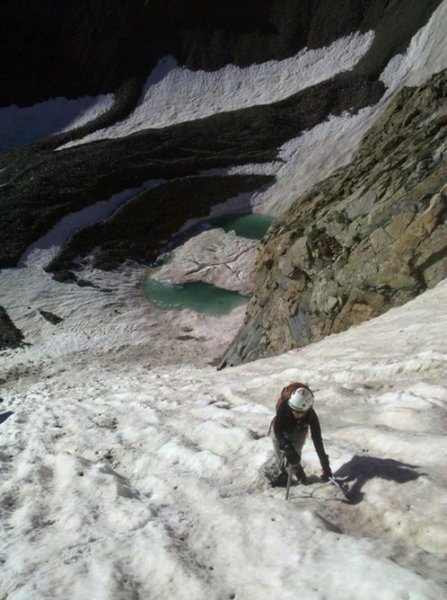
[[297, 438]]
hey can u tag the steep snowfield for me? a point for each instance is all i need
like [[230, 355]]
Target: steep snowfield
[[126, 478]]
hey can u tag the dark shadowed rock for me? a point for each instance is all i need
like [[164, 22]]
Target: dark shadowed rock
[[51, 317], [10, 335]]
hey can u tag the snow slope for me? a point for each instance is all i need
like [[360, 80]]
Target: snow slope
[[127, 478], [174, 94]]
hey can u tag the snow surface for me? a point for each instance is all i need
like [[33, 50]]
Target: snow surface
[[214, 256], [425, 56], [134, 469]]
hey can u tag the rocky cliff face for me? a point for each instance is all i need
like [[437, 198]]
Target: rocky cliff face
[[370, 237]]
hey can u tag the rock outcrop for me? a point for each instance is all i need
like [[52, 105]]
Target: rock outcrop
[[10, 335], [371, 236], [50, 317]]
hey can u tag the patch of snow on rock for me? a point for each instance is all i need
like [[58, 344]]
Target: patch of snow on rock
[[173, 94]]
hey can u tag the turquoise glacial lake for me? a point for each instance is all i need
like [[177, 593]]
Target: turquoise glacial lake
[[199, 296], [196, 295], [249, 226]]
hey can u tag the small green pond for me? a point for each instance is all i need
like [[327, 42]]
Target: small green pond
[[199, 296], [248, 225]]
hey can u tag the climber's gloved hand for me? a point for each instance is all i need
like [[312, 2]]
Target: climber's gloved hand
[[326, 474], [324, 461]]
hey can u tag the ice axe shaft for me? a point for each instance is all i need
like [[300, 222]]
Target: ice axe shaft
[[289, 480]]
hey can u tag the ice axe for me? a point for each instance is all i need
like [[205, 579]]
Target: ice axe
[[289, 480], [340, 486]]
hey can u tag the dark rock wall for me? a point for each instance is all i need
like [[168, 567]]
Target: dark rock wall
[[66, 48], [60, 48]]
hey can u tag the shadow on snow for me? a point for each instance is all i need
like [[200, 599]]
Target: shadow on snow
[[362, 468]]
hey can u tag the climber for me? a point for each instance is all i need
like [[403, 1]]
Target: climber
[[294, 417]]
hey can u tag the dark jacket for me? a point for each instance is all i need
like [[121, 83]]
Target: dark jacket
[[284, 423]]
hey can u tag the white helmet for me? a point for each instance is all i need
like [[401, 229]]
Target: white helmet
[[301, 400]]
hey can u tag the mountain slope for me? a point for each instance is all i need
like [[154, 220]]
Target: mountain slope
[[39, 186]]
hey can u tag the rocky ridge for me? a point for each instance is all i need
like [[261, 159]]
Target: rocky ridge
[[371, 236]]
